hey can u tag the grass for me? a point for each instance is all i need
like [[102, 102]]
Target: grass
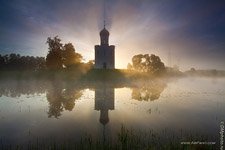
[[126, 139], [87, 75]]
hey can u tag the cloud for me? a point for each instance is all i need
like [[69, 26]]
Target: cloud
[[193, 31]]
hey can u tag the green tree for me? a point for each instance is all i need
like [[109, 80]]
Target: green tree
[[156, 65], [2, 62], [129, 66], [54, 59], [70, 57], [147, 63], [136, 61]]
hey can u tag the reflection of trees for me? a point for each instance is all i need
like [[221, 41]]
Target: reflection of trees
[[62, 95], [16, 88], [69, 97], [148, 91], [61, 99]]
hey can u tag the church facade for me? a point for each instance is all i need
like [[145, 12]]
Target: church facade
[[104, 53]]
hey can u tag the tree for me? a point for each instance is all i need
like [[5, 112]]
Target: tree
[[89, 65], [145, 63], [156, 66], [54, 59], [136, 60], [129, 66], [2, 61], [193, 70], [17, 62], [61, 99], [70, 57], [148, 91]]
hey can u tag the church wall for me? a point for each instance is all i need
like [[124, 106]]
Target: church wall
[[104, 54]]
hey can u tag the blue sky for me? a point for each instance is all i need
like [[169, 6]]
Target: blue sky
[[188, 33]]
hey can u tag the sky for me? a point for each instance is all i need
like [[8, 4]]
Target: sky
[[186, 33]]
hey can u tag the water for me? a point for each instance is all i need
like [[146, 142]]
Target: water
[[46, 110]]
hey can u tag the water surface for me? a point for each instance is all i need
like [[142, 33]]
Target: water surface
[[31, 109]]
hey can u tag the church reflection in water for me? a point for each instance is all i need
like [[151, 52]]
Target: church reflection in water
[[62, 96], [104, 101], [60, 99]]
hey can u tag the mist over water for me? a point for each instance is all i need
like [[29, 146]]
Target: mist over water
[[60, 111]]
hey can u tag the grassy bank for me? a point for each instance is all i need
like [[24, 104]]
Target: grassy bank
[[90, 75], [126, 139]]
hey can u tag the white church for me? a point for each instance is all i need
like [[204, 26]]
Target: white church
[[104, 53]]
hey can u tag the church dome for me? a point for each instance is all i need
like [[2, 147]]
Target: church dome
[[104, 32]]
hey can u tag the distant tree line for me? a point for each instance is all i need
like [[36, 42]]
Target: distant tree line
[[211, 72], [17, 62], [59, 57]]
